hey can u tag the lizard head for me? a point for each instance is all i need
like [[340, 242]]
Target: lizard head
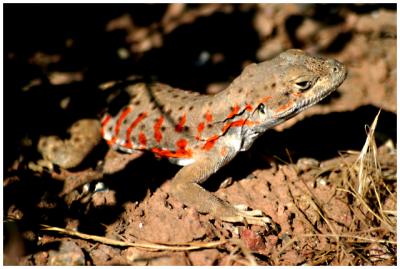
[[290, 83]]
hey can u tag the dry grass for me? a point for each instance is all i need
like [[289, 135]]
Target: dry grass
[[371, 238], [376, 223]]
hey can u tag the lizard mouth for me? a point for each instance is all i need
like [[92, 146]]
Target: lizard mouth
[[303, 104], [297, 107], [313, 100]]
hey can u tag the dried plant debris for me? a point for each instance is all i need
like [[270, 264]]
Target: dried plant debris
[[326, 178]]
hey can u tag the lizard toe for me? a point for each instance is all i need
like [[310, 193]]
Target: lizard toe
[[244, 214]]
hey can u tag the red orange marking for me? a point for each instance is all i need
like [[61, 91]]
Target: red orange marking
[[181, 124], [142, 139], [181, 143], [139, 118], [200, 129], [208, 117], [157, 127], [237, 123], [248, 107], [284, 107], [235, 110], [297, 94], [171, 154], [210, 142], [109, 142], [104, 122], [121, 118], [224, 151], [265, 99]]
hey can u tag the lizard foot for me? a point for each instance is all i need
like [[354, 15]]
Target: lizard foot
[[246, 215]]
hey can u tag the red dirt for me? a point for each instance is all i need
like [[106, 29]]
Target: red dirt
[[296, 173]]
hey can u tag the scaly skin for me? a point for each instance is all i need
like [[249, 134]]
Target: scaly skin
[[203, 132]]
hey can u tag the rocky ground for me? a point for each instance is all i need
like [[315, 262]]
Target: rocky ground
[[327, 177]]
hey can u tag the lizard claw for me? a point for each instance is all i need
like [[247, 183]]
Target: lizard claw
[[246, 215], [248, 211]]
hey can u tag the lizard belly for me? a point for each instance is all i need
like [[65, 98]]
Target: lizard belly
[[249, 136], [181, 162]]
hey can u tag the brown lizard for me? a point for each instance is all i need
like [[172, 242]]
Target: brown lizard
[[202, 133]]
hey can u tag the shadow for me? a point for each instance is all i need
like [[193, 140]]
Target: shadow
[[321, 137], [179, 62], [131, 184], [339, 42], [36, 199], [29, 114], [365, 9], [326, 15], [292, 23]]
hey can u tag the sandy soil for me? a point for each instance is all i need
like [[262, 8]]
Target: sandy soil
[[304, 174]]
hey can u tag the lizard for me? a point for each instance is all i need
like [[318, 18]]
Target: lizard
[[202, 133]]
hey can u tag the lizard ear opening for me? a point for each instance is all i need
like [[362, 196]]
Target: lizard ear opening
[[261, 108]]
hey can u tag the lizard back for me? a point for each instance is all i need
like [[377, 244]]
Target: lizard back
[[159, 118]]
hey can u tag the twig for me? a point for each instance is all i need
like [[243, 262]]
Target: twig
[[108, 241]]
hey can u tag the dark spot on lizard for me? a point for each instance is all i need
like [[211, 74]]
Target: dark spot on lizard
[[282, 102], [137, 103], [190, 108], [240, 90], [142, 127], [273, 85], [180, 108], [163, 128]]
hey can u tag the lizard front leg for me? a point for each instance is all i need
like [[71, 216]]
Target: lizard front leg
[[185, 187]]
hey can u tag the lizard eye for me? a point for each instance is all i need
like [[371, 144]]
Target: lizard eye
[[303, 85], [261, 108]]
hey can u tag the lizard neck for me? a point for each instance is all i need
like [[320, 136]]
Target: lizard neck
[[232, 101]]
